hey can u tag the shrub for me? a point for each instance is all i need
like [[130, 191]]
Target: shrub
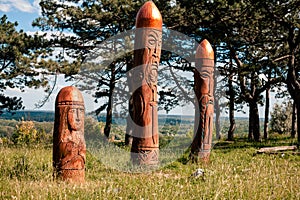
[[281, 118], [92, 128], [25, 133]]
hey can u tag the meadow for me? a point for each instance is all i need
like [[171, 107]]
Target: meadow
[[235, 171]]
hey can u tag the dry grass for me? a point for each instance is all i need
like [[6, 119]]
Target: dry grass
[[233, 173]]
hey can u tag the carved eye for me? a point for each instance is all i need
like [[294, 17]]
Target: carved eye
[[152, 40], [81, 110], [204, 72], [72, 110]]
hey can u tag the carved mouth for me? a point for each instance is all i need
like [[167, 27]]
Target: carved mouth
[[78, 123]]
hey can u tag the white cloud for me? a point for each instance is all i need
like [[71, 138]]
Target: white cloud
[[21, 5], [5, 7], [36, 3]]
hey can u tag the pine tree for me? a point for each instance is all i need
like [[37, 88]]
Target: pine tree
[[22, 63]]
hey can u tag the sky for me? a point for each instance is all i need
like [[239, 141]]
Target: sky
[[24, 12]]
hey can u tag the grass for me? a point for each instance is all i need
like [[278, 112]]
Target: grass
[[235, 172]]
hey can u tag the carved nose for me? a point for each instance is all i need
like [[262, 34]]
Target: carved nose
[[77, 117]]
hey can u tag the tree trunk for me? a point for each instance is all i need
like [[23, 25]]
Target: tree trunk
[[256, 130], [108, 122], [267, 108], [217, 103], [250, 130], [231, 109], [128, 134], [109, 108], [292, 77], [254, 120], [218, 114], [232, 124], [294, 121], [298, 117], [129, 125]]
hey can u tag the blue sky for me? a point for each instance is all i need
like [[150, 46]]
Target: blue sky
[[22, 11]]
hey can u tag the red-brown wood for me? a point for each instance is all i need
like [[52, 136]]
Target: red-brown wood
[[149, 16], [69, 147], [204, 112], [143, 82]]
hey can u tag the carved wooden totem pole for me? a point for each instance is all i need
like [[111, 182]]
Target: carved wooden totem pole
[[145, 146], [204, 112], [69, 147]]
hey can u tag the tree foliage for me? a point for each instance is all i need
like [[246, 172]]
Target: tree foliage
[[281, 118], [90, 24], [23, 63], [256, 36], [256, 45]]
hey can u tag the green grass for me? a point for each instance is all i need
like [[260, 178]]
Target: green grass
[[235, 172]]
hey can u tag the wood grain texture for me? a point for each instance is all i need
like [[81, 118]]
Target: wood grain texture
[[204, 109], [143, 82], [69, 149]]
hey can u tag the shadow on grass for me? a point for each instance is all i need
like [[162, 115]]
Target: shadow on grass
[[225, 146], [240, 143]]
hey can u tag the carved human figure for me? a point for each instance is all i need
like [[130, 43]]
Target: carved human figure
[[204, 112], [145, 146], [69, 147]]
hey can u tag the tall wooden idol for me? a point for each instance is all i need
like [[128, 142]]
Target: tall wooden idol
[[204, 111], [69, 147], [148, 36]]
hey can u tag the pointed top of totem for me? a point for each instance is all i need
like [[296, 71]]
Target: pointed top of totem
[[205, 50], [149, 16], [69, 95]]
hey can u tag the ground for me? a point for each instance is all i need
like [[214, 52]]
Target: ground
[[235, 171]]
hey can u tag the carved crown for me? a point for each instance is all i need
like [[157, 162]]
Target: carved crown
[[69, 95]]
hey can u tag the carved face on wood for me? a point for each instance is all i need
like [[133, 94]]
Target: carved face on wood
[[68, 138], [153, 46], [204, 112], [147, 55], [75, 116], [206, 78], [147, 50]]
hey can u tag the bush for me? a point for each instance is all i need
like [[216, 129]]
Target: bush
[[6, 131], [25, 133], [281, 118], [92, 128]]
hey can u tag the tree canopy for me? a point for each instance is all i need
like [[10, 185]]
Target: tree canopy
[[256, 45], [23, 63]]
